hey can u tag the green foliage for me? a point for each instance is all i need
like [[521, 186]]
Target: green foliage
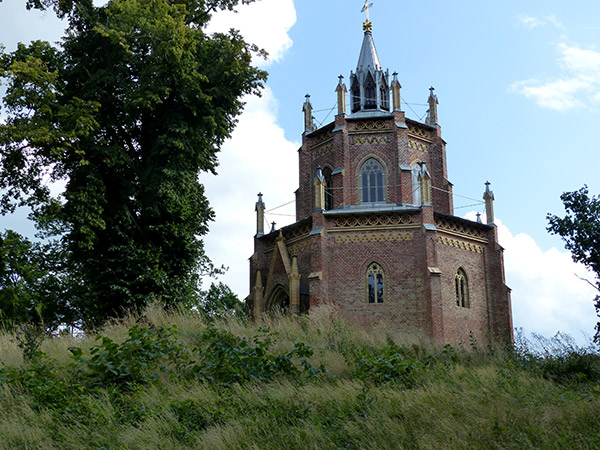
[[220, 302], [29, 339], [138, 360], [30, 283], [135, 102], [245, 386], [20, 299], [558, 359], [228, 359], [388, 364], [580, 229]]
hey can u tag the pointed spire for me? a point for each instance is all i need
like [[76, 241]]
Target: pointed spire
[[368, 58], [319, 190], [259, 291], [294, 283], [432, 113], [488, 196], [260, 216], [369, 86], [308, 117], [341, 95], [396, 98]]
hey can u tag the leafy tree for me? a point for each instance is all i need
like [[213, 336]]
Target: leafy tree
[[30, 283], [19, 275], [580, 229], [219, 301], [132, 105]]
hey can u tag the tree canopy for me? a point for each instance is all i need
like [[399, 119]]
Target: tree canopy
[[580, 229], [135, 101]]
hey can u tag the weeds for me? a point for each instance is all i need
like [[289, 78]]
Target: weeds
[[29, 338], [234, 386]]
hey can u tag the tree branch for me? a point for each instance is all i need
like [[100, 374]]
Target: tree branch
[[588, 282]]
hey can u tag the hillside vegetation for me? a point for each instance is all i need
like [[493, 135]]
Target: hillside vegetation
[[174, 381]]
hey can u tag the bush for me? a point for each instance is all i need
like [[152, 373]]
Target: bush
[[388, 364], [138, 360], [227, 359]]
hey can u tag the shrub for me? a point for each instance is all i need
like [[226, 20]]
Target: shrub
[[388, 364], [227, 359], [138, 360]]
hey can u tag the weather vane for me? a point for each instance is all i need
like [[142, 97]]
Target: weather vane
[[367, 26]]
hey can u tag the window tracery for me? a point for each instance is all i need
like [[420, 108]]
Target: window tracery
[[461, 288], [372, 181], [416, 185], [327, 172], [370, 93], [375, 284]]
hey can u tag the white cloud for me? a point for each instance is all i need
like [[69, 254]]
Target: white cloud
[[534, 22], [578, 85], [257, 158], [530, 22], [265, 23], [547, 295]]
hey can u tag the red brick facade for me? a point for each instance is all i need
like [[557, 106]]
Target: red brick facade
[[420, 247]]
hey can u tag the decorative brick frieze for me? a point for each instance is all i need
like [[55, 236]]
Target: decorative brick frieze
[[373, 237], [373, 220], [460, 244]]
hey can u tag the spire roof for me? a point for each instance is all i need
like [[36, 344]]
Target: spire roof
[[368, 58]]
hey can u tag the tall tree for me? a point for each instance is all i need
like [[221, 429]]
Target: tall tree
[[580, 229], [133, 104]]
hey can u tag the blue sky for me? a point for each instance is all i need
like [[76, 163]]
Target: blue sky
[[519, 90]]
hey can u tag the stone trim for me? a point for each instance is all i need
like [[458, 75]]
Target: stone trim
[[294, 250], [373, 237], [370, 140], [373, 220], [418, 146], [419, 134], [460, 230], [460, 244], [377, 228]]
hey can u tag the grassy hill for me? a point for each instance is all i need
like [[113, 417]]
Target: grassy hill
[[175, 381]]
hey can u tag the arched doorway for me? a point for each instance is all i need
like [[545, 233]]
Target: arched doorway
[[279, 300]]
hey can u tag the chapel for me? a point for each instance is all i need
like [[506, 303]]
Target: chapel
[[375, 233]]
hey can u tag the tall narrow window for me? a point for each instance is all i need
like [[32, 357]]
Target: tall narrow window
[[375, 286], [384, 94], [355, 93], [461, 287], [416, 186], [370, 93], [328, 188], [372, 182]]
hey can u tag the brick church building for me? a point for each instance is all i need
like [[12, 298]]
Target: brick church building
[[375, 233]]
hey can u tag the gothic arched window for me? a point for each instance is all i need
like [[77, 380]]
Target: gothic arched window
[[355, 94], [370, 93], [328, 189], [461, 287], [375, 284], [372, 181], [416, 185], [384, 94]]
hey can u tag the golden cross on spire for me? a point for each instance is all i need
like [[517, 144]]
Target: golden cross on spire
[[367, 26]]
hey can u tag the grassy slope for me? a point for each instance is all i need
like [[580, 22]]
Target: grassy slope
[[426, 398]]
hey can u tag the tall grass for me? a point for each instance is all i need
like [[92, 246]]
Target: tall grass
[[358, 389]]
